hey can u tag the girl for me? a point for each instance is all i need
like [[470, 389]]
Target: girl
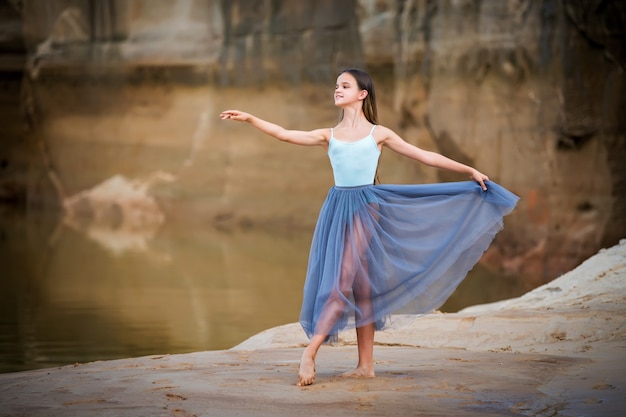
[[379, 248]]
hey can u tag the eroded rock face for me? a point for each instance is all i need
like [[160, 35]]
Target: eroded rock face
[[530, 92]]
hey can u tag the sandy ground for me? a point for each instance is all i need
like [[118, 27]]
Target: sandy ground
[[559, 350]]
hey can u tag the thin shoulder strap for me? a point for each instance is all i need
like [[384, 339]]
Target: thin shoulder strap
[[372, 131], [332, 134]]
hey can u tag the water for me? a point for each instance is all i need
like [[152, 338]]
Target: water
[[68, 298]]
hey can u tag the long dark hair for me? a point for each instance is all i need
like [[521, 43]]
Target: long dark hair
[[365, 82]]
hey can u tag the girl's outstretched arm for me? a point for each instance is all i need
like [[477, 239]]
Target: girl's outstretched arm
[[299, 137], [399, 145]]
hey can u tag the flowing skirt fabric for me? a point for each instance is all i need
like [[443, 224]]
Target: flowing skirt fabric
[[379, 249]]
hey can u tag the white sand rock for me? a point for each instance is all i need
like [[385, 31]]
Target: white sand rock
[[571, 314]]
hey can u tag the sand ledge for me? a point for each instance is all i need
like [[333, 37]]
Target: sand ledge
[[556, 351]]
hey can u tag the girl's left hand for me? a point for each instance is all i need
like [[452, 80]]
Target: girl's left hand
[[480, 178]]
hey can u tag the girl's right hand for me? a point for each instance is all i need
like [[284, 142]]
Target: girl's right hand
[[235, 115]]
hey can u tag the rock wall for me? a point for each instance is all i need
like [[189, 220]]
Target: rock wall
[[533, 92], [530, 92]]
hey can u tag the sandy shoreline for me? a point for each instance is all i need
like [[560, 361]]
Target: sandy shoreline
[[559, 350]]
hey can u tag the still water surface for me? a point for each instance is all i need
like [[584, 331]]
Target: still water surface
[[68, 298]]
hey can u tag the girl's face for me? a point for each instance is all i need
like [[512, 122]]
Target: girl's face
[[347, 90]]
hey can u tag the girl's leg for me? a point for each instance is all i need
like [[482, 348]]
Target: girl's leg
[[306, 373], [365, 342], [351, 279], [365, 366], [331, 312], [333, 309], [364, 333]]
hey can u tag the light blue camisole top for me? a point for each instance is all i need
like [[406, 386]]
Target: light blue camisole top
[[354, 163]]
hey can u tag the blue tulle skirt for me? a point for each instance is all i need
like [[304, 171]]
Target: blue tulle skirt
[[383, 249]]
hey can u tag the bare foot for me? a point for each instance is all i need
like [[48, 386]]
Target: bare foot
[[360, 372], [306, 374]]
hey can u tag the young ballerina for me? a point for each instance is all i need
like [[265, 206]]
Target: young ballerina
[[377, 249]]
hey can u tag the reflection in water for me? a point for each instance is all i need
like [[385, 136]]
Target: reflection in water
[[191, 290], [118, 213], [71, 299]]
